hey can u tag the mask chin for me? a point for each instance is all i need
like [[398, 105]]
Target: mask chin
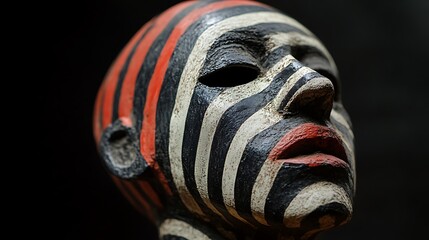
[[120, 151], [321, 205]]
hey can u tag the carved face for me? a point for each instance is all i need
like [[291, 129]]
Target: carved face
[[234, 110]]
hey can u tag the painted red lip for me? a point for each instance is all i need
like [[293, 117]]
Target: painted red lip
[[312, 145]]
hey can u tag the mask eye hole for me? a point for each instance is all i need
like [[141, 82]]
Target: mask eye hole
[[231, 76]]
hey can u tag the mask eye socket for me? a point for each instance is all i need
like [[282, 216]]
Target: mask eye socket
[[231, 76], [230, 64]]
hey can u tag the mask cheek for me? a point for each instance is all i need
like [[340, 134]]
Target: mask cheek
[[340, 122]]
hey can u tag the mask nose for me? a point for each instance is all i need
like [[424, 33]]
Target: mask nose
[[313, 96]]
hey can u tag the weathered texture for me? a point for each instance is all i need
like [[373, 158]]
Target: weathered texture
[[223, 119]]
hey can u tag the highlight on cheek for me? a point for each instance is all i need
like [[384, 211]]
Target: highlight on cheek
[[213, 125]]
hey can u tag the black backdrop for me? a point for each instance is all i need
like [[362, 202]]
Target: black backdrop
[[381, 49]]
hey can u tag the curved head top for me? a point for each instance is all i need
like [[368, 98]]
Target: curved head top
[[224, 118]]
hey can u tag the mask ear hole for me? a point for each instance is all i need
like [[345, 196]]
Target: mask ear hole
[[121, 148], [120, 151]]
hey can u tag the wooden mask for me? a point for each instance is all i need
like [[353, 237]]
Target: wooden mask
[[223, 120]]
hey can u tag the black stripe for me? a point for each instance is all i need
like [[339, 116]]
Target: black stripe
[[200, 101], [143, 194], [148, 66], [338, 106], [290, 181], [275, 56], [158, 187], [348, 138], [254, 156], [173, 74], [131, 196], [232, 120], [123, 73], [301, 82], [343, 129]]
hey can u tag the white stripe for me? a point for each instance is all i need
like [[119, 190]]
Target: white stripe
[[263, 184], [297, 39], [312, 197], [187, 84], [258, 122], [215, 111], [182, 229]]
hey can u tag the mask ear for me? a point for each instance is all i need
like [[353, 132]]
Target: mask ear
[[120, 150]]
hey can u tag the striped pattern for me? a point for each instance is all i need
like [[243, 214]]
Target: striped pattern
[[209, 147]]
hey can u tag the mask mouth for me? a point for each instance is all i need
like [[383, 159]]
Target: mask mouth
[[312, 145]]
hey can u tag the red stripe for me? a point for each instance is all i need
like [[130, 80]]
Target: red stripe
[[130, 199], [149, 212], [128, 88], [135, 193], [302, 144], [302, 134], [147, 139], [147, 188], [127, 93], [112, 78], [96, 115]]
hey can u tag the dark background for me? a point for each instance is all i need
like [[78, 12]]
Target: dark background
[[381, 49]]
